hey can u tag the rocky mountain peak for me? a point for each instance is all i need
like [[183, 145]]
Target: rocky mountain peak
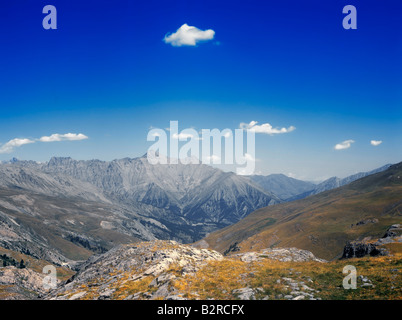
[[59, 161]]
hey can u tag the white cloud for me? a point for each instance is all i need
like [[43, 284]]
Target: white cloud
[[249, 157], [14, 143], [188, 36], [182, 136], [61, 137], [375, 142], [344, 145], [264, 128]]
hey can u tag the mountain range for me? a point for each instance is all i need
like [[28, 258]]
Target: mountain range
[[289, 189], [104, 224], [283, 186], [66, 209]]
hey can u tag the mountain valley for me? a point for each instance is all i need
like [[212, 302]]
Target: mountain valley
[[115, 230]]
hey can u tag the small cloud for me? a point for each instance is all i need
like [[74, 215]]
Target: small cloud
[[249, 157], [375, 142], [182, 136], [62, 137], [188, 36], [264, 128], [14, 143], [344, 145]]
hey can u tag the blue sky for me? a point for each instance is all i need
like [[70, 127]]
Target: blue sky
[[107, 73]]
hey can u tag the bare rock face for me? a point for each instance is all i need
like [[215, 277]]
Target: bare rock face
[[152, 264], [358, 249], [395, 231], [361, 249]]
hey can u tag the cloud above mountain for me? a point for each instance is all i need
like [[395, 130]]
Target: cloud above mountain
[[188, 36], [62, 137], [14, 143], [11, 145], [375, 143], [265, 128], [344, 145]]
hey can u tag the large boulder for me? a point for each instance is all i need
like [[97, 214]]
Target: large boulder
[[361, 249]]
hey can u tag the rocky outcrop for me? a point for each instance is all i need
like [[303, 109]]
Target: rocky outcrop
[[299, 290], [365, 221], [395, 231], [149, 267], [20, 284], [155, 269], [361, 249], [232, 248], [358, 249]]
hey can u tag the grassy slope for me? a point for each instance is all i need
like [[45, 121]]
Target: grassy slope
[[265, 277], [321, 223], [325, 278]]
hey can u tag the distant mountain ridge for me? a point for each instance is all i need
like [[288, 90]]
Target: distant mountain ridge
[[289, 189], [282, 185], [335, 182], [189, 190]]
